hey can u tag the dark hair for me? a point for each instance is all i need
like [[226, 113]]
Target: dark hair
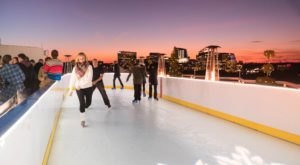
[[16, 58], [22, 56], [6, 59], [82, 54], [54, 53], [47, 58], [26, 58]]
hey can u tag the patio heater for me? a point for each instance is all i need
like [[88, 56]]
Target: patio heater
[[212, 66]]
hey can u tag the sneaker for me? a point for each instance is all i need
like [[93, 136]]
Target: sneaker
[[156, 98], [134, 101], [108, 106]]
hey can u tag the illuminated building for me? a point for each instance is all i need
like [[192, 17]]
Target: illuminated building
[[181, 54], [224, 59], [125, 58]]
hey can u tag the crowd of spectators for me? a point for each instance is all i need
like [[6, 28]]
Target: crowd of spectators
[[20, 76]]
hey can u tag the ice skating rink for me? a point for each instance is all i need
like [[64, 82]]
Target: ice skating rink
[[159, 133]]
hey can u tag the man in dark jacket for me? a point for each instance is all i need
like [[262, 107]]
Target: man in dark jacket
[[38, 65], [139, 74], [152, 70], [98, 82], [31, 81], [117, 75]]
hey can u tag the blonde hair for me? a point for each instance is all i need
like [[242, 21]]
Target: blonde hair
[[83, 55]]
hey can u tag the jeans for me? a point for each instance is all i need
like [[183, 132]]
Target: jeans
[[85, 98], [114, 82], [101, 89], [137, 91], [155, 90]]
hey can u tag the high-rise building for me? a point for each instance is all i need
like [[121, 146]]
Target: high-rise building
[[126, 58], [154, 56], [224, 59], [181, 54]]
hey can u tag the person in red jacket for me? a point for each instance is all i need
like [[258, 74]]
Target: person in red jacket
[[54, 67]]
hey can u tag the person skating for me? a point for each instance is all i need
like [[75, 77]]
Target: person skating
[[117, 75], [138, 73], [152, 70], [98, 81], [81, 79]]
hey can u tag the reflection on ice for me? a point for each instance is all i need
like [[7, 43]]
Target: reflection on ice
[[241, 156]]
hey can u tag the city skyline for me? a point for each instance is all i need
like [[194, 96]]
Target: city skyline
[[102, 28]]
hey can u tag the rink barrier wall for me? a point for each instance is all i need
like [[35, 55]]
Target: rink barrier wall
[[262, 128], [271, 110], [25, 129]]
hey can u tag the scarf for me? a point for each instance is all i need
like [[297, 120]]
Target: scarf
[[81, 68]]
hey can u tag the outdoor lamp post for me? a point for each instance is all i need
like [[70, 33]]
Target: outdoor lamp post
[[68, 65], [161, 66], [212, 67], [239, 69]]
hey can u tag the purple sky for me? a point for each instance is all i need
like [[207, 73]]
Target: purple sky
[[101, 28]]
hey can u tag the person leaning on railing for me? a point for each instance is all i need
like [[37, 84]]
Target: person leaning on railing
[[42, 75], [54, 67], [14, 79]]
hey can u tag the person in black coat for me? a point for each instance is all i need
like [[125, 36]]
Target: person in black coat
[[139, 73], [98, 82], [117, 75], [31, 80], [38, 65], [152, 71]]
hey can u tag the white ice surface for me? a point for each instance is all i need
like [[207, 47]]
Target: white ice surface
[[159, 132]]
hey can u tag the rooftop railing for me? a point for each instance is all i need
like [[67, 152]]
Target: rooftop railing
[[246, 81]]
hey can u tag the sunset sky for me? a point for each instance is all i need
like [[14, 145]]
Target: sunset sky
[[101, 28]]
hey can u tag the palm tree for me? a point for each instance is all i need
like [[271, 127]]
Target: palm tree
[[268, 68], [269, 54]]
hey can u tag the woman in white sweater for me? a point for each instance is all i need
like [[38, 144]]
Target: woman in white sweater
[[81, 79]]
